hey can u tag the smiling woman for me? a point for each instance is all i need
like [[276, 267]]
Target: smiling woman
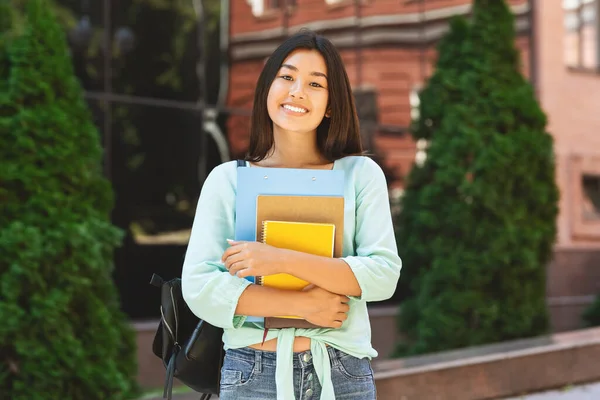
[[303, 117], [305, 77]]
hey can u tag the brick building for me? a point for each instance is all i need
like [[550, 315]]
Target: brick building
[[388, 47], [567, 64]]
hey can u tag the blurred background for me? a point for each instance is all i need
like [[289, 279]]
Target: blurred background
[[171, 82]]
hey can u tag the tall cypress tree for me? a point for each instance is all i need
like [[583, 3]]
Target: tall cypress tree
[[5, 30], [416, 229], [479, 216], [62, 334]]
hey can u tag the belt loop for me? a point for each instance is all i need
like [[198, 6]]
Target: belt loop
[[333, 356], [258, 361]]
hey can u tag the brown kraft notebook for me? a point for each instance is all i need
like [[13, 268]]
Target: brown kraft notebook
[[310, 210]]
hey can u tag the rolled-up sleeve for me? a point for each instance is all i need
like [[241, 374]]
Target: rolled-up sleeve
[[376, 264], [209, 290]]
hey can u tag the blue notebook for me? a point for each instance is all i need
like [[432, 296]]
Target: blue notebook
[[256, 181]]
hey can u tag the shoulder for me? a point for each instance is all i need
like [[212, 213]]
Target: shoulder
[[222, 178], [361, 168], [226, 171]]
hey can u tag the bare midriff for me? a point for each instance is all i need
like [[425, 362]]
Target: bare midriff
[[301, 344]]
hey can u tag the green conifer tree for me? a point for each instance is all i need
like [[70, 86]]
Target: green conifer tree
[[62, 334], [479, 217], [5, 33]]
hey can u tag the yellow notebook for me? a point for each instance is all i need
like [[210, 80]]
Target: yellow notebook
[[313, 238]]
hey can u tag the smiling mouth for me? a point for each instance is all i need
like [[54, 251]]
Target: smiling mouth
[[295, 109]]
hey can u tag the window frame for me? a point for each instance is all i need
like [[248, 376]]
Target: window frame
[[576, 9]]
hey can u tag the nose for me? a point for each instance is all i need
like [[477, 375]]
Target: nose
[[296, 90]]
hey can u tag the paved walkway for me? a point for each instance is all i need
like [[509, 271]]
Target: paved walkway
[[580, 392]]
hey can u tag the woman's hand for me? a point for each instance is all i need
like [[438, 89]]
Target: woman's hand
[[324, 308], [252, 259]]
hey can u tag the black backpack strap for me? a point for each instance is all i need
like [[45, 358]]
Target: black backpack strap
[[241, 163], [156, 280]]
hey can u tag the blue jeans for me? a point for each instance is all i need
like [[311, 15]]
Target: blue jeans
[[249, 374]]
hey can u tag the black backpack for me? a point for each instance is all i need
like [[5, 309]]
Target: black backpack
[[191, 349]]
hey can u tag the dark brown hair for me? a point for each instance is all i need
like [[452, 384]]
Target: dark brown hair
[[337, 136]]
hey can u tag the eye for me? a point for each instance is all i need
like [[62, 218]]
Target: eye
[[286, 77], [315, 84]]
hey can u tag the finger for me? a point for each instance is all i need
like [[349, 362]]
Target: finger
[[230, 251], [345, 299], [232, 259], [331, 324], [337, 324], [245, 272], [237, 266], [235, 242], [308, 287], [341, 317]]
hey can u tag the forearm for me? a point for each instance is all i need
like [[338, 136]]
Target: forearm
[[261, 301], [331, 274]]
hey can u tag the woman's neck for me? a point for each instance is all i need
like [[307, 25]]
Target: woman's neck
[[295, 150]]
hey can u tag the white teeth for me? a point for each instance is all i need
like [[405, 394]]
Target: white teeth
[[295, 109]]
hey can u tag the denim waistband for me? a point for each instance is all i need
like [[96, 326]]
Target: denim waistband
[[268, 358]]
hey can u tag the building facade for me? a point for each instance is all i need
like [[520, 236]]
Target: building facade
[[154, 109], [568, 85], [166, 118], [388, 47]]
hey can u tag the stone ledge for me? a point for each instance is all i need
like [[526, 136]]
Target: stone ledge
[[493, 371]]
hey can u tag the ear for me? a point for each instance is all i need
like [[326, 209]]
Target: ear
[[328, 113]]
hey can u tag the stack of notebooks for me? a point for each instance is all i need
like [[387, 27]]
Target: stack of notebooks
[[310, 221]]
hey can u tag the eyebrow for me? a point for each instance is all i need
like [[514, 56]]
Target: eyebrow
[[293, 68]]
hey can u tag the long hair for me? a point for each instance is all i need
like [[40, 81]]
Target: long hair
[[337, 136]]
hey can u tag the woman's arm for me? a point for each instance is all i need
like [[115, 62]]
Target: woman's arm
[[316, 305], [331, 274], [373, 273], [224, 300], [258, 259]]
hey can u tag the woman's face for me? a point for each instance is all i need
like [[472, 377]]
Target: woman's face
[[298, 97]]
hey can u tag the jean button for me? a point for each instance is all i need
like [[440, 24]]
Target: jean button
[[308, 393], [306, 357]]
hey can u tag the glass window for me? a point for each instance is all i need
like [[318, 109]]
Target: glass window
[[83, 24], [591, 197], [581, 33], [154, 160], [155, 49]]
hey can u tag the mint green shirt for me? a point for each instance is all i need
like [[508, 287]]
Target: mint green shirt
[[369, 248]]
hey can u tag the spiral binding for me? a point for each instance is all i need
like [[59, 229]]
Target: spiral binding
[[263, 239]]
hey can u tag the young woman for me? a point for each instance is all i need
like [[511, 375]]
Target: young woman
[[303, 117]]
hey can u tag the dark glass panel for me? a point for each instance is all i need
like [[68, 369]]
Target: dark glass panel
[[155, 155], [155, 49], [83, 21]]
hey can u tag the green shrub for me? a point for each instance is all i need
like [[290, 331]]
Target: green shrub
[[478, 217], [62, 334]]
